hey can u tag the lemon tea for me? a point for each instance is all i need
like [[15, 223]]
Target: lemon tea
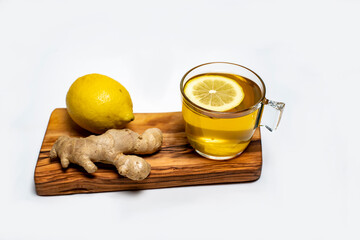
[[222, 106], [228, 135]]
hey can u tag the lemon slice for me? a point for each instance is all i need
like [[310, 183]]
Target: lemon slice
[[214, 92]]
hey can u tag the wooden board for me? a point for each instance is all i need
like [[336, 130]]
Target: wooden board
[[177, 164]]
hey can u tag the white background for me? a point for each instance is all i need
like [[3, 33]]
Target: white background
[[307, 52]]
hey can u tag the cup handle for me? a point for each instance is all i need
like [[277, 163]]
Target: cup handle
[[272, 114]]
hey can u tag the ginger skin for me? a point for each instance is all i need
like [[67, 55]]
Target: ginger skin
[[110, 148]]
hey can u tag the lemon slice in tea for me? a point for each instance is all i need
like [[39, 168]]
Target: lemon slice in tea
[[214, 92]]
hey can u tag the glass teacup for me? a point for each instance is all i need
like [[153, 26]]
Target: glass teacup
[[222, 135]]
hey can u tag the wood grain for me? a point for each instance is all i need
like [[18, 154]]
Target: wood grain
[[177, 164]]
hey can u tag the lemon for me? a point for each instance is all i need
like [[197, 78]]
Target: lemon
[[98, 103], [214, 92]]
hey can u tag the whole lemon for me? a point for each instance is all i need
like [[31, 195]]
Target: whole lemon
[[97, 103]]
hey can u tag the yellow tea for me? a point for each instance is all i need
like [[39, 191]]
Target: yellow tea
[[228, 136]]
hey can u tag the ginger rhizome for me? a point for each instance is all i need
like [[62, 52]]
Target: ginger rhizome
[[111, 147]]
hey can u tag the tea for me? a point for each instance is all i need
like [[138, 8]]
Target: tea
[[223, 137]]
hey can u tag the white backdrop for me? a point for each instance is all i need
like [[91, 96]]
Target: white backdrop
[[307, 52]]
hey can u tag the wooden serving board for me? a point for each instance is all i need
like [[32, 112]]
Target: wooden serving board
[[176, 164]]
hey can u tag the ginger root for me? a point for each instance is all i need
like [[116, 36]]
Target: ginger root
[[110, 148]]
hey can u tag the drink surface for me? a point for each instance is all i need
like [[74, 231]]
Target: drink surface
[[223, 137]]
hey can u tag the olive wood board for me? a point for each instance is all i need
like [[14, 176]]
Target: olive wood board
[[176, 164]]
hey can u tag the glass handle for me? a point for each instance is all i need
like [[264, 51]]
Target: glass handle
[[272, 114]]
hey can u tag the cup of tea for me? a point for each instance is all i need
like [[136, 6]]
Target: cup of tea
[[222, 105]]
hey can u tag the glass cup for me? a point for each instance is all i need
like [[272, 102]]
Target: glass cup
[[225, 135]]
